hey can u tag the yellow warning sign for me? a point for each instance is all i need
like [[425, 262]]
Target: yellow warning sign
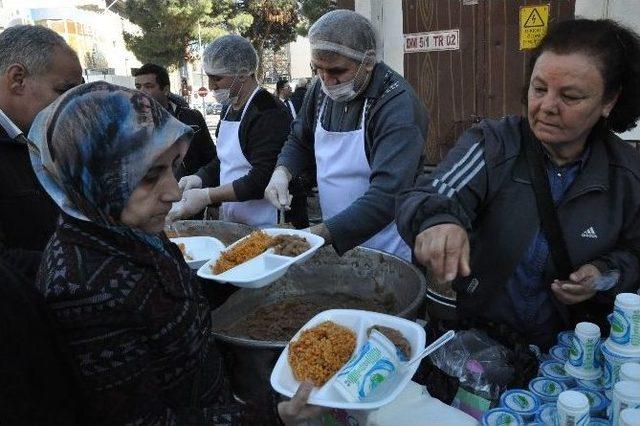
[[534, 21]]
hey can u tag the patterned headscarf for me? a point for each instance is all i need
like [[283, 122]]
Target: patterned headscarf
[[94, 144]]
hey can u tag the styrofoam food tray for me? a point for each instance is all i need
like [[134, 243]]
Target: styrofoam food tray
[[282, 379], [264, 268], [200, 249]]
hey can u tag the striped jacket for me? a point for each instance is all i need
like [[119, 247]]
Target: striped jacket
[[483, 185]]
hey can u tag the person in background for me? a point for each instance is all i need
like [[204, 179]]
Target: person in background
[[283, 92], [141, 343], [365, 128], [153, 80], [250, 134], [475, 220], [36, 66], [298, 94]]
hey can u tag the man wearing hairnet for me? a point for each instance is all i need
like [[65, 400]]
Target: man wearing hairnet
[[365, 128], [250, 134]]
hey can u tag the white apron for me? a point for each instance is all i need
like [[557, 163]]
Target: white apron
[[291, 108], [343, 176], [234, 165]]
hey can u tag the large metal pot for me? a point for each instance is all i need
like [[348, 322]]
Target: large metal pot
[[361, 271], [227, 232]]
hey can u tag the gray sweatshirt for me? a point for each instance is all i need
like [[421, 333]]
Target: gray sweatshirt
[[396, 124]]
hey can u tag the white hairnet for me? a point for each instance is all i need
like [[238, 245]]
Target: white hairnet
[[230, 55], [344, 32]]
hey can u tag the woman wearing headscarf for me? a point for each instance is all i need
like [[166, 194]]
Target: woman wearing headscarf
[[122, 296]]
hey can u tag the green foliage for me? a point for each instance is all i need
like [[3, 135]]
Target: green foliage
[[311, 11], [168, 28], [274, 22]]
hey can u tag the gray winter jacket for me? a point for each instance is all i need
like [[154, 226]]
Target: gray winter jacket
[[484, 186]]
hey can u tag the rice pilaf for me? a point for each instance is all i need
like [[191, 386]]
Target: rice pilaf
[[320, 352], [255, 244]]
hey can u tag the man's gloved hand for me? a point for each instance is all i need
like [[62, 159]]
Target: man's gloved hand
[[277, 191], [189, 182], [193, 201]]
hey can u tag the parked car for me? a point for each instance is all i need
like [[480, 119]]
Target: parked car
[[213, 108]]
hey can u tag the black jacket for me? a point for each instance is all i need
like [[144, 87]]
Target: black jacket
[[202, 150], [27, 214], [494, 200], [37, 383], [297, 97]]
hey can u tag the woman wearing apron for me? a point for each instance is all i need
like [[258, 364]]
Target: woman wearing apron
[[365, 128], [250, 134]]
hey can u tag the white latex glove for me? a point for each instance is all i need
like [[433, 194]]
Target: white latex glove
[[193, 201], [277, 191], [189, 182]]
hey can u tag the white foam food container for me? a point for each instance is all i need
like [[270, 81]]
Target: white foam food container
[[199, 249], [283, 381], [264, 268]]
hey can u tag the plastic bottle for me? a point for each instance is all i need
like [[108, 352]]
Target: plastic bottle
[[573, 409]]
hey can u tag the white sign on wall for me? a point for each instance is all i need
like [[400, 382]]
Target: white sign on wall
[[432, 41]]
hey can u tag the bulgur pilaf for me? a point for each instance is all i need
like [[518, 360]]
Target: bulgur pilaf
[[255, 244], [320, 352]]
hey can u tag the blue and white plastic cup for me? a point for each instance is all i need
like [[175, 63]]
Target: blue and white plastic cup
[[584, 362], [559, 353], [501, 416], [626, 394], [564, 338], [555, 370], [612, 362], [630, 417], [546, 389], [598, 403], [522, 402], [625, 325], [548, 414], [573, 409], [630, 371]]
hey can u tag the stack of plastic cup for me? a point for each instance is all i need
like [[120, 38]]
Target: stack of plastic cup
[[573, 409], [584, 362], [626, 394], [623, 344]]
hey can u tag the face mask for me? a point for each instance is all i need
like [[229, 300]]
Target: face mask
[[341, 92], [344, 92], [223, 96]]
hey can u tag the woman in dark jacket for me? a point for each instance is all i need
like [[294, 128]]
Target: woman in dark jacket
[[476, 220], [124, 300]]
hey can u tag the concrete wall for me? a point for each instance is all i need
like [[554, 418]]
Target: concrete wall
[[386, 17], [626, 12]]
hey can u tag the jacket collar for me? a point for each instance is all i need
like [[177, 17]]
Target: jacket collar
[[594, 175]]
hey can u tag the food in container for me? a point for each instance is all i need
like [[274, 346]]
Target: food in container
[[594, 385], [290, 245], [598, 421], [521, 401], [584, 360], [403, 347], [546, 389], [625, 325], [630, 371], [630, 417], [254, 245], [612, 362], [320, 352], [185, 253], [501, 417]]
